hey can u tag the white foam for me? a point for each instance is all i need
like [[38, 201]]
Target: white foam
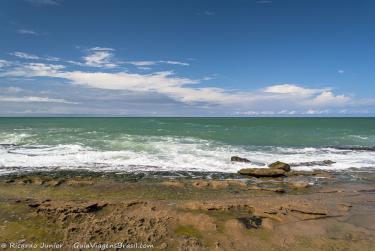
[[140, 153], [13, 138]]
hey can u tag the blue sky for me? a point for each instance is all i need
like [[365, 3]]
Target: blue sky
[[187, 58]]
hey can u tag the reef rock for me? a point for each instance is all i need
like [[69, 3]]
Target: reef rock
[[280, 165], [239, 159], [262, 172]]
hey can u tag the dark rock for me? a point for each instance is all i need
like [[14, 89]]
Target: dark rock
[[314, 163], [239, 159], [355, 148], [94, 207], [251, 222], [269, 189], [280, 165], [262, 172], [33, 205], [320, 174]]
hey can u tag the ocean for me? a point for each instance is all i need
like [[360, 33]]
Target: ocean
[[183, 144]]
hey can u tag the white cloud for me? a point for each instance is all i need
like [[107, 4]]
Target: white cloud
[[255, 113], [33, 70], [142, 63], [4, 63], [279, 99], [100, 57], [328, 98], [27, 32], [25, 55], [150, 62], [32, 99], [174, 62], [50, 58], [315, 112], [341, 71], [75, 63], [98, 48], [180, 89], [291, 89], [145, 68]]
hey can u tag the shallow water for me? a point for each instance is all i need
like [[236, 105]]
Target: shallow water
[[182, 144]]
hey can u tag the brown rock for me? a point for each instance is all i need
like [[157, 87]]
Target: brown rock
[[280, 165], [200, 184], [299, 184], [54, 183], [173, 183], [219, 184], [239, 159], [78, 182], [163, 245], [93, 207], [262, 172], [270, 189], [267, 224]]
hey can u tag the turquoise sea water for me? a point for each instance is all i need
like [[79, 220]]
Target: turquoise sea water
[[193, 144]]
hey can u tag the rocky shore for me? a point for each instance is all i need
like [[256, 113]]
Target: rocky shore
[[287, 210]]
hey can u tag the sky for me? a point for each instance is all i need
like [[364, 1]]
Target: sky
[[187, 58]]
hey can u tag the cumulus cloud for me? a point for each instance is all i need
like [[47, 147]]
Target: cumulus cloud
[[292, 90], [279, 99], [179, 88], [328, 98]]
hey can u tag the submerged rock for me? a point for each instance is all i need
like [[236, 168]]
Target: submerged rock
[[262, 172], [355, 148], [318, 174], [280, 165], [299, 184], [269, 189], [239, 159]]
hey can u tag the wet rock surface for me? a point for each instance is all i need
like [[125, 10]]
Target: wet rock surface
[[314, 163], [280, 165], [239, 159], [262, 172], [290, 212]]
